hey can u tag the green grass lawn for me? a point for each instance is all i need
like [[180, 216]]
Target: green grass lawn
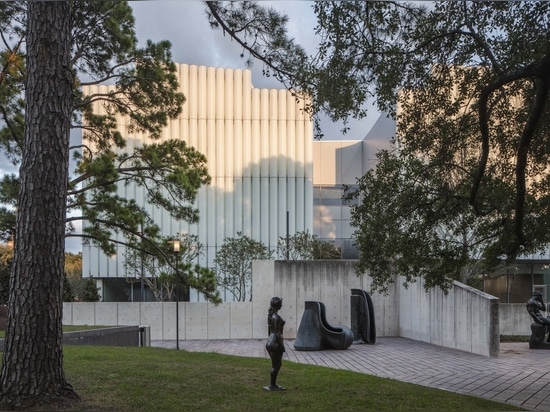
[[156, 379]]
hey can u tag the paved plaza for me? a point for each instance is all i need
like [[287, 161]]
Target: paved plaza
[[519, 376]]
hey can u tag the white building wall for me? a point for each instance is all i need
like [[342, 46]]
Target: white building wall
[[259, 149]]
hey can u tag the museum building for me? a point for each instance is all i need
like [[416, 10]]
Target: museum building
[[269, 178]]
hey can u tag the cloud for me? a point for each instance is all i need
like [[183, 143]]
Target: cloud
[[185, 25]]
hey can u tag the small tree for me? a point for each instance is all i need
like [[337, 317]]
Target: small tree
[[73, 265], [323, 249], [234, 264], [306, 246], [154, 265], [89, 292]]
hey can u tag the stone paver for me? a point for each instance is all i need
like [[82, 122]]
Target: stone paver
[[519, 376]]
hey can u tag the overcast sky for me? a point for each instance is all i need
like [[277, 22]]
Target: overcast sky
[[185, 25]]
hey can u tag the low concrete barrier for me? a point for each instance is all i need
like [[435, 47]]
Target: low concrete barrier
[[514, 319], [116, 336], [465, 319]]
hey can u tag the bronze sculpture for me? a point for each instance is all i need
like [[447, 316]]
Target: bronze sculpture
[[275, 345], [315, 333], [362, 317], [541, 324]]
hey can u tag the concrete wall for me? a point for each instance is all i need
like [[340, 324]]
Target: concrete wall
[[514, 319], [328, 281], [197, 320], [465, 319], [117, 336]]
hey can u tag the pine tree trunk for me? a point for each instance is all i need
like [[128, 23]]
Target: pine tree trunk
[[32, 368]]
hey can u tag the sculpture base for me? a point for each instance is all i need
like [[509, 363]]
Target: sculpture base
[[537, 337], [276, 388]]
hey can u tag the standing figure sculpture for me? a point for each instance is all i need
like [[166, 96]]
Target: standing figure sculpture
[[275, 345], [541, 324]]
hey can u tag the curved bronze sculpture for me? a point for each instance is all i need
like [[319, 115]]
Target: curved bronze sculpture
[[362, 317], [275, 344], [315, 333], [541, 324]]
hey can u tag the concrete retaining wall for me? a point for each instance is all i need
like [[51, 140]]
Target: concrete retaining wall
[[465, 319], [117, 336], [327, 281], [514, 319]]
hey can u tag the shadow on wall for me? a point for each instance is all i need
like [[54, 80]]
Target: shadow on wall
[[257, 198]]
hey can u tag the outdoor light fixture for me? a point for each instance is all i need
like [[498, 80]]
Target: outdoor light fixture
[[142, 280], [176, 244]]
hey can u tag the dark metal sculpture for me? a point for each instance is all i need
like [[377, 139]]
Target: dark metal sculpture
[[541, 324], [362, 317], [275, 343], [314, 332]]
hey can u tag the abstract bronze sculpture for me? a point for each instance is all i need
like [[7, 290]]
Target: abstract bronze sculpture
[[275, 345], [541, 324], [362, 317], [315, 333]]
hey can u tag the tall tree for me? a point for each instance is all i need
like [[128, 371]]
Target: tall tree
[[51, 51], [32, 369], [468, 83], [144, 89]]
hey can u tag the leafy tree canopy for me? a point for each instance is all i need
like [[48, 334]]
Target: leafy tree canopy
[[306, 246], [165, 272], [468, 83], [143, 87]]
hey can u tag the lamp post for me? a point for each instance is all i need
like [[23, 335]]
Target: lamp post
[[142, 299], [176, 251]]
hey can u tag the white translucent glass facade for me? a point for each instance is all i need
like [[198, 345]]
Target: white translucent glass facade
[[259, 146]]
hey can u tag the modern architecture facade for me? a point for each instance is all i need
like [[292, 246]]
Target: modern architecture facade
[[338, 164], [269, 176], [265, 166], [259, 148]]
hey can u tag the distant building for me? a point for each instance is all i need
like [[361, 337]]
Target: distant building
[[339, 163], [263, 162]]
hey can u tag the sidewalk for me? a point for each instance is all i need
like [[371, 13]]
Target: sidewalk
[[519, 376]]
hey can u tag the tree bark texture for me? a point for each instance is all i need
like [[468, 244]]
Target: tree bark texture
[[32, 368]]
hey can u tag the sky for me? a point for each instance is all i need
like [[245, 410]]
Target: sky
[[185, 25]]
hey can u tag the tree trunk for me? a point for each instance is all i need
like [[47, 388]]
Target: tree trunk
[[32, 369]]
